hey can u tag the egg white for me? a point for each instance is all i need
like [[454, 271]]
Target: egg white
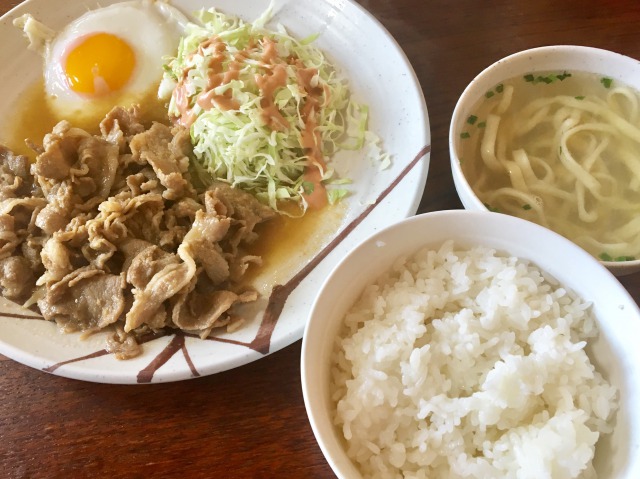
[[151, 28]]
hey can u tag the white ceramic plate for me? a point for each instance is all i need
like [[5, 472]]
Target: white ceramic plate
[[379, 75]]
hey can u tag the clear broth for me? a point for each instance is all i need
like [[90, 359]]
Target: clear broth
[[561, 217]]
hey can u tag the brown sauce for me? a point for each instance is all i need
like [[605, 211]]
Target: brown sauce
[[286, 244], [35, 118]]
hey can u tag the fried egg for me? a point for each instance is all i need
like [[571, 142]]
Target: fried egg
[[108, 56]]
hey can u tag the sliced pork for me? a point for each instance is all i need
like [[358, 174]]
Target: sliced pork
[[109, 231]]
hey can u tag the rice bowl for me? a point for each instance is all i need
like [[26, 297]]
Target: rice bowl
[[458, 410]]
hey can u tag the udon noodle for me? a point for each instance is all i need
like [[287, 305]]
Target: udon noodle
[[562, 151]]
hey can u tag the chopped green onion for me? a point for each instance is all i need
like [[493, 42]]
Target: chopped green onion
[[499, 88], [489, 94], [526, 206], [605, 257], [581, 97], [482, 124], [550, 78], [491, 208], [308, 187], [606, 82], [472, 119], [464, 135]]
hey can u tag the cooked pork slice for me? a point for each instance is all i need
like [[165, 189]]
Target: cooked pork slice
[[177, 222], [208, 227], [56, 259], [9, 240], [15, 179], [123, 345], [241, 205], [142, 216], [20, 201], [201, 311], [76, 172], [155, 276], [31, 249], [148, 262], [108, 229], [202, 242], [245, 210], [180, 145], [97, 166], [120, 125], [185, 209], [59, 210], [144, 181], [213, 261], [154, 147], [239, 264], [17, 165], [129, 249], [17, 226], [85, 302], [88, 164], [75, 233], [148, 301], [60, 152], [16, 278]]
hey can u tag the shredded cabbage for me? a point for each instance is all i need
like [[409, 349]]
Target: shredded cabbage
[[236, 144]]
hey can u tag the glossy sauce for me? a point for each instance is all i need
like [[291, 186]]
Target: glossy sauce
[[34, 118], [286, 244]]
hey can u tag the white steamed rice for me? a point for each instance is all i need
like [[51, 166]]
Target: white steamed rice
[[466, 363]]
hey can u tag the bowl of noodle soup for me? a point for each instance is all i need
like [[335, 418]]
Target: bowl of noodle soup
[[552, 135]]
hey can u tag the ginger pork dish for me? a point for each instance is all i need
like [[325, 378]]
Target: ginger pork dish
[[148, 172]]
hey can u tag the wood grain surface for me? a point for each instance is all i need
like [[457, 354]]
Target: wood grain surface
[[250, 422]]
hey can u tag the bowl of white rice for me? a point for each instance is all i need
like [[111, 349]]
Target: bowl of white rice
[[471, 344]]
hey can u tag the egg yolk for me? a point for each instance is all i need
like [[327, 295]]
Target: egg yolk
[[99, 64]]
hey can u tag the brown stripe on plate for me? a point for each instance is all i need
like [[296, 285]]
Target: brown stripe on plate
[[281, 293], [103, 352], [19, 316]]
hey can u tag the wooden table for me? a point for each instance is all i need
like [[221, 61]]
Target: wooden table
[[250, 422]]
